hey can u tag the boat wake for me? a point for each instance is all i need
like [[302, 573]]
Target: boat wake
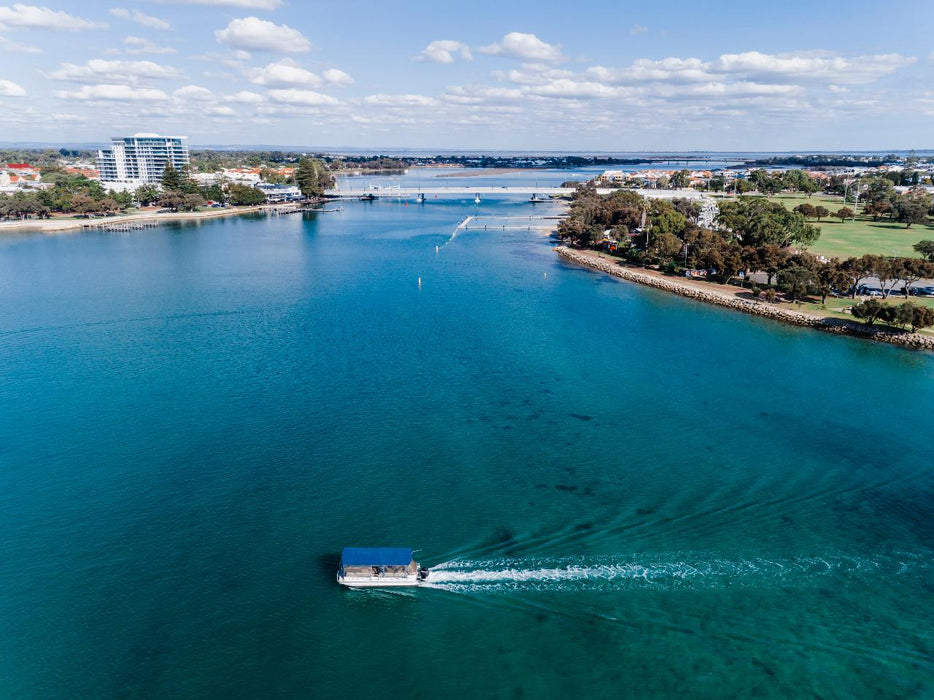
[[507, 575]]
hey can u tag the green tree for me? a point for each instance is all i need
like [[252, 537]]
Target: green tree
[[912, 208], [806, 210], [667, 246], [856, 270], [243, 195], [146, 194], [915, 316], [830, 276], [312, 177], [910, 270], [926, 249], [171, 180], [680, 179], [795, 280], [820, 212], [843, 213], [868, 311]]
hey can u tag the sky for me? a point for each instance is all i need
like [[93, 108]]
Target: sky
[[550, 76]]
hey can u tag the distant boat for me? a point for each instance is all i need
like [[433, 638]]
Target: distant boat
[[476, 200], [536, 199], [421, 198], [379, 567], [368, 197]]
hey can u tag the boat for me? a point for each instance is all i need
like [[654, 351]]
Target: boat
[[368, 197], [536, 199], [421, 198], [379, 567], [476, 200]]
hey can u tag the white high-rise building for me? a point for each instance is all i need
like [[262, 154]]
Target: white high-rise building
[[140, 159]]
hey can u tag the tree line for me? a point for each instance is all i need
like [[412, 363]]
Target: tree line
[[76, 194], [751, 235]]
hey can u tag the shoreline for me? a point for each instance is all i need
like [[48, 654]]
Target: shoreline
[[63, 225], [592, 260]]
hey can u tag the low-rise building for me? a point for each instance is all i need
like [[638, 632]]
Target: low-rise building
[[279, 193]]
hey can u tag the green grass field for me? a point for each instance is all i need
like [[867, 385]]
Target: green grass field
[[855, 238]]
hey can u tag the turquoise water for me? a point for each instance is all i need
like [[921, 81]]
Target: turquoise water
[[624, 493]]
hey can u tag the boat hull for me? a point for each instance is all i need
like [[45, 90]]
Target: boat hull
[[379, 581]]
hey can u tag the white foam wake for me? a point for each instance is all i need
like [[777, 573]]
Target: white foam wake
[[515, 574]]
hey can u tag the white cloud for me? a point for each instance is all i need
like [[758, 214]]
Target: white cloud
[[811, 66], [337, 77], [98, 70], [445, 51], [10, 89], [638, 29], [254, 34], [525, 46], [193, 93], [246, 97], [109, 92], [34, 17], [141, 18], [221, 111], [13, 47], [138, 45], [284, 73], [400, 100], [301, 97], [240, 4]]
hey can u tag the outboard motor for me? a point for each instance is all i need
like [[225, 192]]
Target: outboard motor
[[423, 574]]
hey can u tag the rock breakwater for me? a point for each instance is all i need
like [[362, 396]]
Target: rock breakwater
[[750, 306]]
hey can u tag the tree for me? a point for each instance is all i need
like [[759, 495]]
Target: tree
[[171, 180], [312, 177], [926, 248], [856, 270], [146, 194], [680, 179], [820, 212], [667, 246], [243, 195], [912, 208], [868, 311], [170, 200], [772, 258], [915, 316], [910, 270], [843, 213], [758, 222], [806, 210], [886, 270], [190, 202], [795, 280], [830, 277]]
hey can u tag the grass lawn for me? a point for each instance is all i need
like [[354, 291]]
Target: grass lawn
[[854, 238]]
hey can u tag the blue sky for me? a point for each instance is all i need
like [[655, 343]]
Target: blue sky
[[613, 76]]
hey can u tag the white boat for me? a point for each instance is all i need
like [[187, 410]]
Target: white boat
[[421, 198], [379, 567], [476, 200]]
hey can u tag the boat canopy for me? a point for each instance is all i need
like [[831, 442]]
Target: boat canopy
[[376, 556]]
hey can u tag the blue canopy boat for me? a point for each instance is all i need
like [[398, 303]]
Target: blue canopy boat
[[379, 567]]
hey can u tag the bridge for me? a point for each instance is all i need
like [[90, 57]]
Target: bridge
[[390, 192]]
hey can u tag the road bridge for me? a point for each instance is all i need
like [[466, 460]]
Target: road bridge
[[390, 192]]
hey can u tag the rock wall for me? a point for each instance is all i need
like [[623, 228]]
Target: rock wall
[[798, 318]]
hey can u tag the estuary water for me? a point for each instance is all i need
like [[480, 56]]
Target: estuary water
[[622, 493]]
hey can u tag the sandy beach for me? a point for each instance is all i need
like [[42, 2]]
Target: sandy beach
[[71, 224]]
